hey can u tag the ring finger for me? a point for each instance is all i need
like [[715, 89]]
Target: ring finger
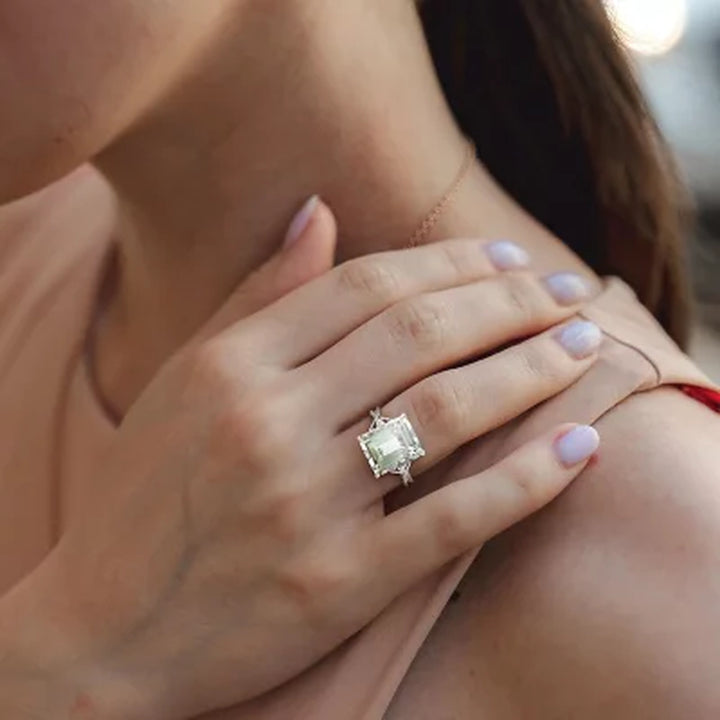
[[433, 331], [458, 405]]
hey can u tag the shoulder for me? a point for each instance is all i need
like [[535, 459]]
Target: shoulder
[[604, 602]]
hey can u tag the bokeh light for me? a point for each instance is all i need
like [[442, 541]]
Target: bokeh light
[[649, 27]]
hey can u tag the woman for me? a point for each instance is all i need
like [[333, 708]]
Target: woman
[[209, 123]]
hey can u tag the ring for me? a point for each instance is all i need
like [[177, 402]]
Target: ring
[[391, 445]]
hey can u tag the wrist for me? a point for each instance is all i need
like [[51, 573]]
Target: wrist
[[49, 667]]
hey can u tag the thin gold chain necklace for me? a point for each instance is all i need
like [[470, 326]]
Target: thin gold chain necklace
[[427, 224]]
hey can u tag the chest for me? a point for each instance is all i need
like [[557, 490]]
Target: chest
[[30, 403]]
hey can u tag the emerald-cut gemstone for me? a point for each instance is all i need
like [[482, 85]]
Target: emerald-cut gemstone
[[391, 445]]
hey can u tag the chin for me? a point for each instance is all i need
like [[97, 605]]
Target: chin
[[36, 154], [21, 178]]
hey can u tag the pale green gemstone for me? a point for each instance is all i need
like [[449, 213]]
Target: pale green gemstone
[[392, 446], [386, 449]]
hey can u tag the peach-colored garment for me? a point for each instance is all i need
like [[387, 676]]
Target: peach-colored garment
[[54, 430]]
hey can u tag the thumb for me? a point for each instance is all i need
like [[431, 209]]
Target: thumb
[[307, 252]]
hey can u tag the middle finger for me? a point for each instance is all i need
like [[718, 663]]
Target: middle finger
[[433, 331]]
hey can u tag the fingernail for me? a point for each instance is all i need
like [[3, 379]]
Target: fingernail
[[301, 221], [567, 288], [506, 255], [580, 338], [577, 445]]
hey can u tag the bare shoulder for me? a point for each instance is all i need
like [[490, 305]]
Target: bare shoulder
[[605, 603]]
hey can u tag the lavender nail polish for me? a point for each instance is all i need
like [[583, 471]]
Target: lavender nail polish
[[301, 220], [567, 288], [580, 339], [506, 255], [577, 445]]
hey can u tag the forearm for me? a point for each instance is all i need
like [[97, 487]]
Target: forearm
[[33, 683], [46, 671], [29, 693]]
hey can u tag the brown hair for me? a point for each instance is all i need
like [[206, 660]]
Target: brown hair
[[548, 96]]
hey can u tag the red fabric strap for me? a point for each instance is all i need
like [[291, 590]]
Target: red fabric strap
[[708, 397]]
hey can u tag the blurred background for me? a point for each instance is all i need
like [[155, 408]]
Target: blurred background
[[676, 47]]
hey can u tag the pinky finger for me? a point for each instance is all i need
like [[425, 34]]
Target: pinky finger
[[422, 536]]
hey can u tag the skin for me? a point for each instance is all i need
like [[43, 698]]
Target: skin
[[194, 165], [202, 168], [231, 498], [614, 589]]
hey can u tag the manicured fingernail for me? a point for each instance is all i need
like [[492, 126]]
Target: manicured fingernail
[[580, 338], [301, 221], [577, 445], [506, 255], [567, 288]]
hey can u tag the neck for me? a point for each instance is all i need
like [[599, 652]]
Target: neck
[[346, 105]]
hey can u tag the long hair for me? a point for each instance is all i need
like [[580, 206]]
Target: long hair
[[548, 95]]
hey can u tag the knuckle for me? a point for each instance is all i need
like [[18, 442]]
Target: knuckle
[[313, 588], [451, 529], [205, 363], [216, 365], [421, 321], [464, 258], [253, 431], [284, 515], [370, 276], [540, 365], [527, 481], [522, 297], [244, 423], [439, 405]]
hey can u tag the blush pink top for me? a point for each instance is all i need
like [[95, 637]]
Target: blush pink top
[[54, 430]]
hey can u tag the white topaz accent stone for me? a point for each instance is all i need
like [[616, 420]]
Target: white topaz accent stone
[[391, 445]]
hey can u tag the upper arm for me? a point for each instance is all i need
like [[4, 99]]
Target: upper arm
[[612, 599], [606, 603]]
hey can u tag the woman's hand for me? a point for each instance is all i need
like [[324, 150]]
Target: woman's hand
[[238, 534]]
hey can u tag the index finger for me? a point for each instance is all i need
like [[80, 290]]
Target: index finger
[[314, 317]]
